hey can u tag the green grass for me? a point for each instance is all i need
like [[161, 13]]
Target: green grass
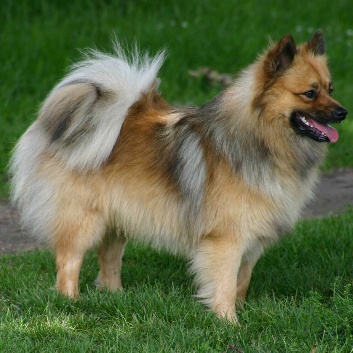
[[301, 294], [39, 39], [301, 291]]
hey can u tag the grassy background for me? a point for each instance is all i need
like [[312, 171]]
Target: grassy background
[[300, 293], [39, 39]]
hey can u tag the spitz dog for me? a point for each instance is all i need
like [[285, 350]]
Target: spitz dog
[[109, 160]]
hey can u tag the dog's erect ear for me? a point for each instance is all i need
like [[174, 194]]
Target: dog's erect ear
[[317, 44], [281, 55]]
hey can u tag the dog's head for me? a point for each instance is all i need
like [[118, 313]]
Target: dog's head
[[298, 86]]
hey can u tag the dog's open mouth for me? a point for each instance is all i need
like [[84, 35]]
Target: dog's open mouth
[[304, 124]]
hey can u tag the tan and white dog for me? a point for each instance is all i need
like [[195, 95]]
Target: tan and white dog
[[109, 160]]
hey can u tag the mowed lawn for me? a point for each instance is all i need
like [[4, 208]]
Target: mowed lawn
[[301, 296]]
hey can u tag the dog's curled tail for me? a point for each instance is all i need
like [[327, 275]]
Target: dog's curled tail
[[83, 115]]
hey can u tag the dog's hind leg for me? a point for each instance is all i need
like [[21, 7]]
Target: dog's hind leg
[[216, 263], [110, 255], [75, 234]]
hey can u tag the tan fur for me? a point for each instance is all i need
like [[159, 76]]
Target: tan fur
[[146, 187]]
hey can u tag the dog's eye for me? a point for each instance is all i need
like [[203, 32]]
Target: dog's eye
[[310, 94], [330, 90]]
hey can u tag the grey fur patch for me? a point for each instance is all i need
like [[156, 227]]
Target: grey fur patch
[[247, 155], [62, 124], [309, 155], [66, 115], [185, 163], [191, 170]]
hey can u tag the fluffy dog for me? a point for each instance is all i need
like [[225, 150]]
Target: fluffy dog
[[108, 160]]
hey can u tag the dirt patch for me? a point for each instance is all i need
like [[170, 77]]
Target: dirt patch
[[334, 194], [12, 238]]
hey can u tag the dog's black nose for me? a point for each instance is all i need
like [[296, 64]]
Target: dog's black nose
[[340, 113]]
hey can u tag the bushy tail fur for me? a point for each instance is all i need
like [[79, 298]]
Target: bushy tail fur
[[84, 113], [80, 120]]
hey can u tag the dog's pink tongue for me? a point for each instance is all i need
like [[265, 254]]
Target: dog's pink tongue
[[328, 130]]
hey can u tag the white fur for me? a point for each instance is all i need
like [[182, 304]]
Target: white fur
[[32, 194], [123, 78]]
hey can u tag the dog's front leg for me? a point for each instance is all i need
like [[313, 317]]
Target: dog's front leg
[[216, 261], [248, 262]]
